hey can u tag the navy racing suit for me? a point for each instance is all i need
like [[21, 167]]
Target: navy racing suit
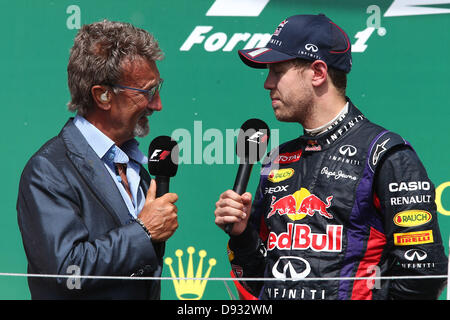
[[353, 202]]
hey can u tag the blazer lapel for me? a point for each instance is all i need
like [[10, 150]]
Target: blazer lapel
[[94, 173]]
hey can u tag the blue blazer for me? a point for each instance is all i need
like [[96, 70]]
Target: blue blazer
[[72, 217]]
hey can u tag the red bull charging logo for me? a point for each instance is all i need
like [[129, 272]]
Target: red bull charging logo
[[300, 204]]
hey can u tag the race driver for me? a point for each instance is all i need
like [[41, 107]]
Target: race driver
[[347, 200]]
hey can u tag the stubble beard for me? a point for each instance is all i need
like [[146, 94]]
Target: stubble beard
[[142, 129], [299, 109]]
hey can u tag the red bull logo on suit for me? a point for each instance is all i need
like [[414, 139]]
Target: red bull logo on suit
[[299, 205], [300, 237]]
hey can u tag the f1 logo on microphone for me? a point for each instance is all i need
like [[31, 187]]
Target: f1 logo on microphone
[[159, 154], [256, 137]]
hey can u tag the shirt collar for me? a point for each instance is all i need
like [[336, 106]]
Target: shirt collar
[[131, 148], [105, 148], [329, 125]]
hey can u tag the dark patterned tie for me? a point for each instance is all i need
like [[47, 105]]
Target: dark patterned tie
[[122, 171]]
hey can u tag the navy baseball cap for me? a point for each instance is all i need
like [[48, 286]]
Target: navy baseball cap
[[310, 37]]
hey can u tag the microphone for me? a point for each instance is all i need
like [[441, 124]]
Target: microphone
[[163, 162], [250, 148]]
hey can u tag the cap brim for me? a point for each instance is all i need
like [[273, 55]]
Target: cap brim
[[260, 57]]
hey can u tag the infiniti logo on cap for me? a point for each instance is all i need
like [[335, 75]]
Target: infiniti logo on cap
[[311, 47]]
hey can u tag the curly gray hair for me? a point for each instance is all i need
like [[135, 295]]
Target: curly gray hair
[[96, 56]]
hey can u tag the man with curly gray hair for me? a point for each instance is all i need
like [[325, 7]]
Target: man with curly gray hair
[[86, 204]]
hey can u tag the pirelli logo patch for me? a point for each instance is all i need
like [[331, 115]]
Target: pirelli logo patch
[[413, 238]]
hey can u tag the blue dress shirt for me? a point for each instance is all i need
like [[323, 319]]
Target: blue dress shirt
[[110, 154]]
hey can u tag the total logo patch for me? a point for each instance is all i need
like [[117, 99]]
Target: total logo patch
[[281, 174], [288, 157], [412, 218]]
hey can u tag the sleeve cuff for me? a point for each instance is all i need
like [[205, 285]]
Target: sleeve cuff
[[247, 241]]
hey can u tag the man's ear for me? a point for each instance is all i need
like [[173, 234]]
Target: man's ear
[[320, 73], [102, 96]]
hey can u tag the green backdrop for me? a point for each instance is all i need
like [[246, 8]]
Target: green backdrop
[[399, 80]]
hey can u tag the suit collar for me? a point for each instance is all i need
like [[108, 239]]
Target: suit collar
[[105, 147], [352, 119], [93, 172]]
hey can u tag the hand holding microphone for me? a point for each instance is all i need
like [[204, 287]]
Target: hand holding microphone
[[233, 208], [159, 214]]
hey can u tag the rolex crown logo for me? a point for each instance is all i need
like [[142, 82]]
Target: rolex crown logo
[[191, 288]]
